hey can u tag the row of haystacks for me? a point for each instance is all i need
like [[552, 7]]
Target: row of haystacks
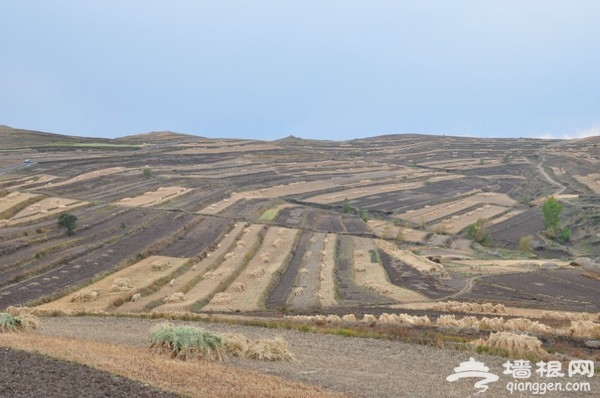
[[18, 319], [474, 308], [188, 342], [577, 328], [89, 295]]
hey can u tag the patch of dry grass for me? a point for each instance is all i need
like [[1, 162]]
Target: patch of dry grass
[[188, 378]]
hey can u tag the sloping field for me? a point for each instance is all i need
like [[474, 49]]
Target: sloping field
[[44, 208], [120, 286], [428, 214], [249, 291], [13, 199], [153, 197], [592, 181], [88, 176], [223, 271], [186, 281], [370, 274]]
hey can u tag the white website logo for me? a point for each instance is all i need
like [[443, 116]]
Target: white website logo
[[472, 368]]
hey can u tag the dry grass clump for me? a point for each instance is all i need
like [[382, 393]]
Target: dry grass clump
[[269, 350], [221, 299], [235, 344], [584, 329], [514, 345], [85, 296], [159, 265], [360, 268], [257, 273], [121, 285], [298, 291], [238, 345], [377, 288], [348, 318], [456, 306], [526, 325], [237, 287], [369, 319], [466, 323], [24, 316], [571, 316], [495, 323], [266, 258], [403, 319], [175, 298], [185, 342]]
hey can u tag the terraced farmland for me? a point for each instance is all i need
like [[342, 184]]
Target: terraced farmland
[[291, 225]]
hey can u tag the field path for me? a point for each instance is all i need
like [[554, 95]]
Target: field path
[[359, 366], [540, 167]]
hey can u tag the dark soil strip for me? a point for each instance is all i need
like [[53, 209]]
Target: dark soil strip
[[348, 292], [198, 238], [30, 375], [283, 289], [153, 238], [405, 276]]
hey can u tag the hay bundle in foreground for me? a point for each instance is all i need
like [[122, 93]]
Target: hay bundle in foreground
[[185, 342], [516, 345], [584, 329], [269, 350]]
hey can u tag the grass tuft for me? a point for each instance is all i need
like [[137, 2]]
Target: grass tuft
[[186, 342]]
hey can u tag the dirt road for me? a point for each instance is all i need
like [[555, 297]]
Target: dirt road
[[359, 366]]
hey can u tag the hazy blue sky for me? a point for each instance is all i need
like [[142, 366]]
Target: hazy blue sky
[[316, 69]]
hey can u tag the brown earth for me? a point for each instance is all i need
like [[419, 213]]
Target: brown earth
[[361, 367], [24, 374]]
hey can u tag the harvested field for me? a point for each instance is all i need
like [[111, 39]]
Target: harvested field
[[221, 272], [349, 292], [459, 222], [44, 208], [369, 273], [251, 288], [278, 297], [329, 223], [428, 214], [562, 289], [81, 264], [117, 287], [508, 233], [153, 198], [303, 296], [592, 181], [359, 192], [185, 282], [88, 176], [13, 199]]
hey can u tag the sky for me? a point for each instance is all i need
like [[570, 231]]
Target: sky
[[326, 69]]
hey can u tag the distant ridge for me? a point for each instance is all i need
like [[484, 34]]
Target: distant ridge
[[19, 138], [161, 136]]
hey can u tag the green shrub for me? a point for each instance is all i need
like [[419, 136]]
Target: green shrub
[[186, 342], [479, 231], [10, 323]]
